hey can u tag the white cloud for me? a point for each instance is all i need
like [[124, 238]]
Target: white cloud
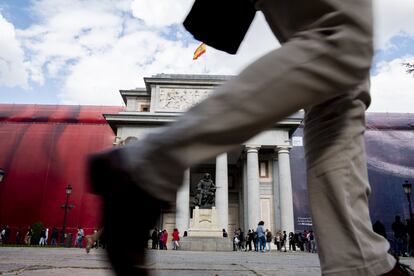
[[392, 88], [161, 13], [392, 18], [94, 48], [12, 68]]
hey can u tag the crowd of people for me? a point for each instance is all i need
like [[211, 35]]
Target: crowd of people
[[261, 240], [402, 238], [43, 237], [160, 239]]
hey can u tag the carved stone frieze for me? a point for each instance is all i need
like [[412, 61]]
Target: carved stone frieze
[[180, 99]]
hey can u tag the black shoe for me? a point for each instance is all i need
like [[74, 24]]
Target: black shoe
[[128, 212]]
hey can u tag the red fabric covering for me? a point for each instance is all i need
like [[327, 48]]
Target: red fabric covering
[[42, 149]]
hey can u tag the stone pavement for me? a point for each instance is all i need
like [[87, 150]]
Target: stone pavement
[[72, 261]]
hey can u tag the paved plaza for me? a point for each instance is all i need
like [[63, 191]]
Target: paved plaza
[[72, 261]]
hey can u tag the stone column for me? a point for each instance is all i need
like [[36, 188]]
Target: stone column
[[276, 194], [245, 203], [253, 188], [182, 212], [222, 192], [285, 189]]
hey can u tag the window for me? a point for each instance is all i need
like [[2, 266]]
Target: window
[[144, 108], [264, 169]]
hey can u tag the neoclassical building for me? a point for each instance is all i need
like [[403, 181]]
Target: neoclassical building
[[253, 183]]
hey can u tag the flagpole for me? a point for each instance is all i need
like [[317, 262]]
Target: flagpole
[[205, 61]]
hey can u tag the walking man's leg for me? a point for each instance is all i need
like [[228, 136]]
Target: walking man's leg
[[326, 52], [339, 189]]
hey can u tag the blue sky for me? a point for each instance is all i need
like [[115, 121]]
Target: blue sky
[[83, 52]]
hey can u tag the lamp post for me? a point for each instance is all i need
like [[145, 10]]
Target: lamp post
[[407, 190], [66, 206], [2, 174]]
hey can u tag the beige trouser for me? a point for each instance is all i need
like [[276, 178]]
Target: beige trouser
[[322, 66]]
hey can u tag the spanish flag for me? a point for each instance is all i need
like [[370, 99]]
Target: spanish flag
[[201, 49]]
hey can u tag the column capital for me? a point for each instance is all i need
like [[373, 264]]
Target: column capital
[[252, 148], [283, 149]]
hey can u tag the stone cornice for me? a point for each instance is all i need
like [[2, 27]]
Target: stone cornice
[[138, 93], [157, 119], [173, 79]]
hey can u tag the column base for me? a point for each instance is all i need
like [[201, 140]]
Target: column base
[[206, 244]]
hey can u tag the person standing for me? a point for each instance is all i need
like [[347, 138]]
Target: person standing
[[161, 239], [79, 238], [18, 236], [5, 233], [410, 232], [292, 242], [269, 238], [46, 235], [241, 239], [284, 241], [235, 240], [312, 242], [399, 230], [28, 236], [164, 239], [379, 228], [249, 240], [42, 237], [54, 237], [305, 238], [154, 238], [260, 230], [176, 239]]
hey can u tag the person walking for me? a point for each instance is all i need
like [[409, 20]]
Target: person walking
[[323, 67], [94, 240]]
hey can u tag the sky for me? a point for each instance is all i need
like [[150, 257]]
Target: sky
[[85, 51]]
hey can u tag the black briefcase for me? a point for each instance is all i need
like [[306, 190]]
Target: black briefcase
[[221, 24]]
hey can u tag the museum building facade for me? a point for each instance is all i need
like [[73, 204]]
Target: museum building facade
[[253, 183]]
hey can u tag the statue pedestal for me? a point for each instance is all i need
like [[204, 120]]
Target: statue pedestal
[[204, 233], [204, 223]]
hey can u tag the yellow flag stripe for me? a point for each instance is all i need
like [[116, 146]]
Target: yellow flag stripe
[[201, 49]]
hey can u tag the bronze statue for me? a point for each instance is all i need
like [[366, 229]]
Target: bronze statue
[[205, 193]]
